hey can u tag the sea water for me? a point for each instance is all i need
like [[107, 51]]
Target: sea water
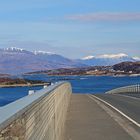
[[80, 84]]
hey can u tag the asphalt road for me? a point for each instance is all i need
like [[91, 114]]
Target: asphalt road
[[86, 120], [128, 105], [137, 95]]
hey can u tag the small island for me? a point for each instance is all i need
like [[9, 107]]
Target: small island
[[9, 82]]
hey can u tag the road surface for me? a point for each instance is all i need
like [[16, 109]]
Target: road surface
[[87, 120], [128, 105]]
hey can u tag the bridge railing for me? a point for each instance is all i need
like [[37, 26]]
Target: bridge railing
[[40, 116], [126, 89]]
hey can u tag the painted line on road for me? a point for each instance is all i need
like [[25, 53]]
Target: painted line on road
[[130, 119], [121, 120]]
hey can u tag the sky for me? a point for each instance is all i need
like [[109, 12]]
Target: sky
[[72, 28]]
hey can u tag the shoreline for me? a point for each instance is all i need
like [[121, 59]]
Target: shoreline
[[23, 85], [131, 75]]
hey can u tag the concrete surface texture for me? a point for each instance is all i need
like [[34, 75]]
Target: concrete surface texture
[[42, 118], [86, 120]]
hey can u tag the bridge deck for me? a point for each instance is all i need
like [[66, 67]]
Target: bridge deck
[[86, 120]]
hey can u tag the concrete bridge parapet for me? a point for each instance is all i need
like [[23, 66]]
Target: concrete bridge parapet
[[40, 116]]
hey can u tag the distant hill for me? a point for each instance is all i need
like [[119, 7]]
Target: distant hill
[[18, 82], [133, 67], [17, 61], [99, 70], [124, 68]]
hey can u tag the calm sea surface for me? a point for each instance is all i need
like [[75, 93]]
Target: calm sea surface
[[80, 84]]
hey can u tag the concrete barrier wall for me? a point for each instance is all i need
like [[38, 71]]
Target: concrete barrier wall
[[126, 89], [40, 116]]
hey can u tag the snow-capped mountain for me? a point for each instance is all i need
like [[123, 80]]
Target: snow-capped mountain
[[43, 53], [15, 61], [136, 58], [88, 57], [14, 50], [106, 59]]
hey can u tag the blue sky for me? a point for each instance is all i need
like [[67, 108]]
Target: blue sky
[[73, 28]]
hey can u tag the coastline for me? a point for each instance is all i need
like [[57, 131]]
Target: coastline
[[24, 85], [119, 75]]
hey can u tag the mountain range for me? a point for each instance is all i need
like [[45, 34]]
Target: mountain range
[[106, 59], [16, 61]]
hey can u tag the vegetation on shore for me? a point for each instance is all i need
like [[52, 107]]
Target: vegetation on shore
[[9, 82], [125, 68]]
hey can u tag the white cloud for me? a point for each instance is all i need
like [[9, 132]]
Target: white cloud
[[106, 16]]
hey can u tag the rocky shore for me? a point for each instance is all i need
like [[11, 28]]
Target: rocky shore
[[9, 82]]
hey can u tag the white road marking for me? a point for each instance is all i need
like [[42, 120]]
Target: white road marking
[[128, 127], [130, 119]]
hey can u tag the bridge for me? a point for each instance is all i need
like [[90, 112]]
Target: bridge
[[54, 113]]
